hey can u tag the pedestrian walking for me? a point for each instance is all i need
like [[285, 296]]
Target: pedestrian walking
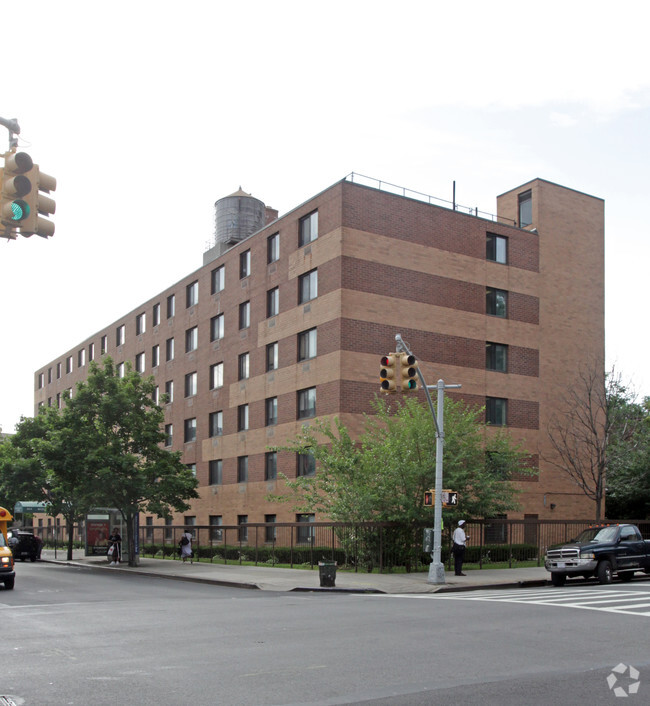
[[115, 548], [458, 550], [186, 547]]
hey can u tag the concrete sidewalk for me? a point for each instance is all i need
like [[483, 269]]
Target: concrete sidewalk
[[268, 578]]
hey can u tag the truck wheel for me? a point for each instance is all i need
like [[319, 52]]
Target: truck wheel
[[558, 579], [626, 576], [605, 572], [32, 557], [9, 584]]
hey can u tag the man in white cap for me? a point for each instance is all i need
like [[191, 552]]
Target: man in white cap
[[458, 550]]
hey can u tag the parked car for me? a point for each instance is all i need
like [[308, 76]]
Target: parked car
[[604, 552], [24, 544]]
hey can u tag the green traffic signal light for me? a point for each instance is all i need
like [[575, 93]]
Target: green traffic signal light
[[19, 210]]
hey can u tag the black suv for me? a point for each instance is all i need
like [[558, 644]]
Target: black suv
[[24, 544]]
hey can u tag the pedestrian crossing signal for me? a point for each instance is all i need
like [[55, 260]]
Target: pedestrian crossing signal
[[429, 496]]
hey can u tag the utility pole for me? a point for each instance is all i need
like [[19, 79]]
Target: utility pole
[[436, 568]]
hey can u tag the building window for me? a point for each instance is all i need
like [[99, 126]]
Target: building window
[[190, 430], [308, 228], [191, 339], [192, 468], [81, 358], [307, 403], [525, 209], [41, 381], [149, 523], [216, 376], [270, 532], [155, 356], [155, 315], [216, 534], [271, 356], [496, 303], [103, 345], [496, 409], [243, 366], [244, 315], [120, 335], [496, 357], [91, 353], [305, 534], [171, 305], [244, 264], [216, 327], [217, 280], [140, 324], [306, 465], [307, 286], [272, 302], [307, 344], [169, 391], [191, 384], [215, 472], [273, 248], [169, 434], [496, 249], [242, 521], [192, 294], [58, 371], [271, 411], [271, 465], [68, 364], [242, 469], [139, 362], [155, 395], [215, 424], [242, 417], [120, 370], [169, 349], [168, 528]]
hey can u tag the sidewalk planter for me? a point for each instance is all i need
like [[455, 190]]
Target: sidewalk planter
[[327, 573]]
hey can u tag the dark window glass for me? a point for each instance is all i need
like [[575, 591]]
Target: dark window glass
[[271, 411], [270, 465], [307, 403], [306, 465], [496, 357], [242, 469], [525, 209], [271, 356], [308, 228], [215, 469], [496, 302], [496, 249], [307, 344], [273, 248], [496, 409]]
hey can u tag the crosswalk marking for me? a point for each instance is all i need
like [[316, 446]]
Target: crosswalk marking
[[630, 602]]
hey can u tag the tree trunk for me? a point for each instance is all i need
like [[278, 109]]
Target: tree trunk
[[134, 558]]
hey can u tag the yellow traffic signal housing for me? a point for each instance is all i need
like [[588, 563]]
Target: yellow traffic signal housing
[[41, 204], [429, 498], [408, 372], [388, 373], [16, 191]]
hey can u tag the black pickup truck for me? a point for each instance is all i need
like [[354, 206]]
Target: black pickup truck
[[602, 551]]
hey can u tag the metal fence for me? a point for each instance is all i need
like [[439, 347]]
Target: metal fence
[[362, 547]]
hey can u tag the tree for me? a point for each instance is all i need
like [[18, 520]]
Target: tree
[[382, 476], [123, 436], [595, 432], [628, 468]]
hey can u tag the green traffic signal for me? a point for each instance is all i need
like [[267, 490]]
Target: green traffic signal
[[19, 210]]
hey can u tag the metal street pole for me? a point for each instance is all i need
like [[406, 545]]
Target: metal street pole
[[436, 567]]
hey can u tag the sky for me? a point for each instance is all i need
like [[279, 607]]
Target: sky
[[148, 112]]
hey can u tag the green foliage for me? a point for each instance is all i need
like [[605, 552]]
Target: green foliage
[[103, 449], [382, 476]]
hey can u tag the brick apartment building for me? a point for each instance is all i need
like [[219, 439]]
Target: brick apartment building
[[288, 318]]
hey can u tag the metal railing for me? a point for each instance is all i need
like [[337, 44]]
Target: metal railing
[[373, 183], [380, 546]]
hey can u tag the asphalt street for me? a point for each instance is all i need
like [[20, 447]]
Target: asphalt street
[[72, 635]]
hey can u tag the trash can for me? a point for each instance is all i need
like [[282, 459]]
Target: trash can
[[327, 573]]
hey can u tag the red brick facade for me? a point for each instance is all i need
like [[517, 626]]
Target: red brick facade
[[385, 264]]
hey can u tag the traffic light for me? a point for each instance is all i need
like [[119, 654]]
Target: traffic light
[[408, 372], [388, 373], [429, 498], [22, 202], [16, 184]]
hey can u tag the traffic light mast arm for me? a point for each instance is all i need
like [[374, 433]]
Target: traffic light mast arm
[[14, 130]]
